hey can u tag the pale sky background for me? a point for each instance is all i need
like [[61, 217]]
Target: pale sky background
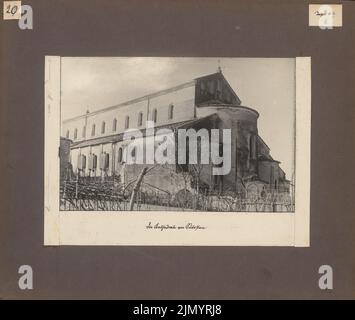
[[264, 84]]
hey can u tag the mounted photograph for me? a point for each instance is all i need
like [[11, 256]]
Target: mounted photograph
[[173, 136]]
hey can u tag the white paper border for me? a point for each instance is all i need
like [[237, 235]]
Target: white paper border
[[222, 229]]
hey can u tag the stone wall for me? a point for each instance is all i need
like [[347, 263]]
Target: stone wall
[[182, 99]]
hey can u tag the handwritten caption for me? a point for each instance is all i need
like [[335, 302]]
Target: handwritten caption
[[167, 226]]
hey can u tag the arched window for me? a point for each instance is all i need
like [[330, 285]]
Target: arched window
[[67, 135], [203, 87], [103, 126], [171, 112], [93, 130], [140, 118], [220, 150], [120, 154], [211, 86], [228, 97], [271, 176], [114, 125], [219, 85], [75, 133], [126, 123], [252, 147], [219, 89], [84, 132], [187, 150], [133, 152], [155, 115]]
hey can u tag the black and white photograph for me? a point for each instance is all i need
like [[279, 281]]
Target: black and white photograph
[[177, 134], [177, 151], [193, 151]]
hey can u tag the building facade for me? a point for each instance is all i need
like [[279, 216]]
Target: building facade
[[98, 147]]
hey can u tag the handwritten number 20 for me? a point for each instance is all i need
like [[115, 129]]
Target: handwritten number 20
[[11, 9]]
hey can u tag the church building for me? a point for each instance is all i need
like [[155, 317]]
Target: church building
[[97, 145]]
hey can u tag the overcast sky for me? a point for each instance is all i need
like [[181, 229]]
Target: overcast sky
[[264, 84]]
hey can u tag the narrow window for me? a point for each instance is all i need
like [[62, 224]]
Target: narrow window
[[120, 152], [219, 89], [252, 147], [271, 176], [114, 125], [75, 133], [67, 135], [93, 130], [126, 124], [133, 153], [140, 119], [155, 115], [84, 132], [219, 85], [228, 97], [203, 87], [171, 111], [211, 86], [103, 127]]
